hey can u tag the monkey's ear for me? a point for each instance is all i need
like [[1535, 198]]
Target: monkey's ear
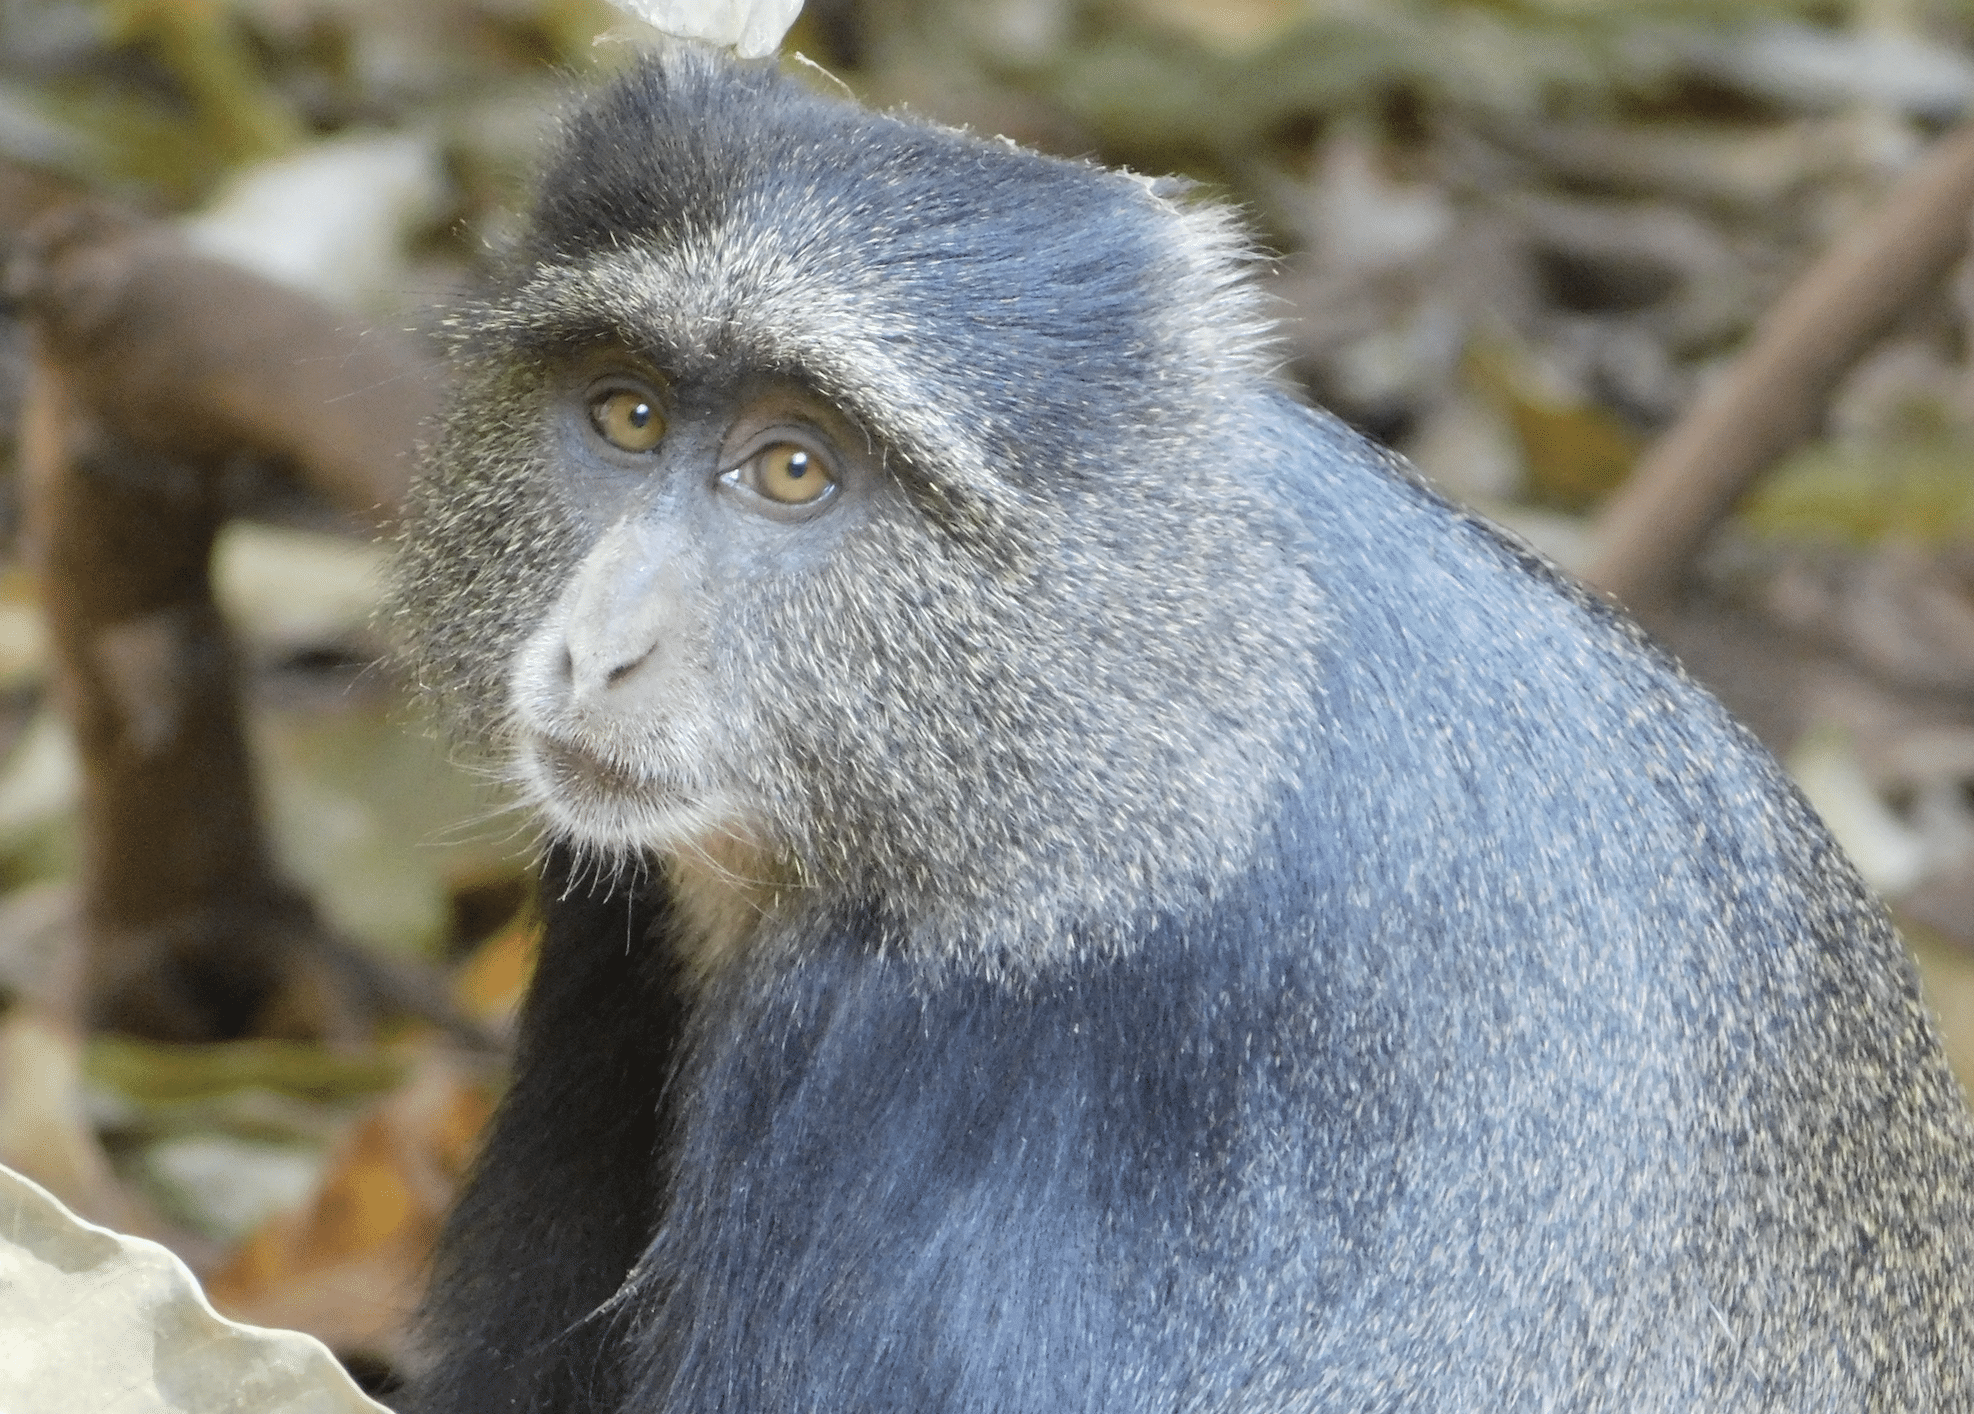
[[753, 27]]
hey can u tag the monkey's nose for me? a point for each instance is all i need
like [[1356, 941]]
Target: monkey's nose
[[565, 668], [598, 662], [619, 605], [624, 670]]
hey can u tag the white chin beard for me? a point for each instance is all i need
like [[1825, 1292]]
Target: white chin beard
[[596, 803]]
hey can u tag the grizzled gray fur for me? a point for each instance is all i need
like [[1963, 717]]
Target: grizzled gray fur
[[1148, 907]]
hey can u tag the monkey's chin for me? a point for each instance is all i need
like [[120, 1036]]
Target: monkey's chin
[[605, 804]]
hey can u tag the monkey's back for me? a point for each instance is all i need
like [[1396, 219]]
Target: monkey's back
[[1669, 1028]]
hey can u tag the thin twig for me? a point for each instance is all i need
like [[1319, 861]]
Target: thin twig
[[1774, 395]]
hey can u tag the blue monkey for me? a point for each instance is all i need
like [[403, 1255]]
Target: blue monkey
[[1076, 883]]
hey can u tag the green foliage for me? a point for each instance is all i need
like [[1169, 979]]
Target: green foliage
[[1148, 79], [149, 1072], [1917, 488]]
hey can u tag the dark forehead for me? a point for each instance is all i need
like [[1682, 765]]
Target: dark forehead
[[688, 142], [980, 308]]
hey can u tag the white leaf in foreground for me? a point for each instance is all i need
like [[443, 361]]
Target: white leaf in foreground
[[754, 27], [96, 1323]]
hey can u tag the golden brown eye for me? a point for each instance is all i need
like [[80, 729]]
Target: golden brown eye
[[790, 474], [627, 419]]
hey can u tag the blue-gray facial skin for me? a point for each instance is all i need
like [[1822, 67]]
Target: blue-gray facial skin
[[1076, 883]]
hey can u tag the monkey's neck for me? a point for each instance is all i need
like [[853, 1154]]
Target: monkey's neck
[[723, 891]]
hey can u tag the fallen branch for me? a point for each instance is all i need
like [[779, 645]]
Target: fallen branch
[[1774, 395], [156, 371], [190, 358]]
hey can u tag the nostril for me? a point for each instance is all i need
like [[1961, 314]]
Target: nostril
[[589, 670], [624, 670]]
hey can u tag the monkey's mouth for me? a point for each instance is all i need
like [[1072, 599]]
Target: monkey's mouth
[[571, 773], [613, 806]]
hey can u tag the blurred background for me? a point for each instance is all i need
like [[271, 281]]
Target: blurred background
[[261, 933]]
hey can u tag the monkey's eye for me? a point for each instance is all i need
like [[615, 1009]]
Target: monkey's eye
[[787, 473], [627, 418]]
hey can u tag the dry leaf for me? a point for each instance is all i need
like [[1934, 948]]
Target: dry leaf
[[96, 1323], [490, 984], [348, 1267], [754, 27], [1575, 450]]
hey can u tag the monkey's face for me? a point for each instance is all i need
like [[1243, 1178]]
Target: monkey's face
[[701, 503], [888, 499]]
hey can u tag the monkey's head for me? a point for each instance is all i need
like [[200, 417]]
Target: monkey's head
[[877, 499]]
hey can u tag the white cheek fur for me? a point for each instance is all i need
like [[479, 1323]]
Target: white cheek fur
[[621, 778]]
